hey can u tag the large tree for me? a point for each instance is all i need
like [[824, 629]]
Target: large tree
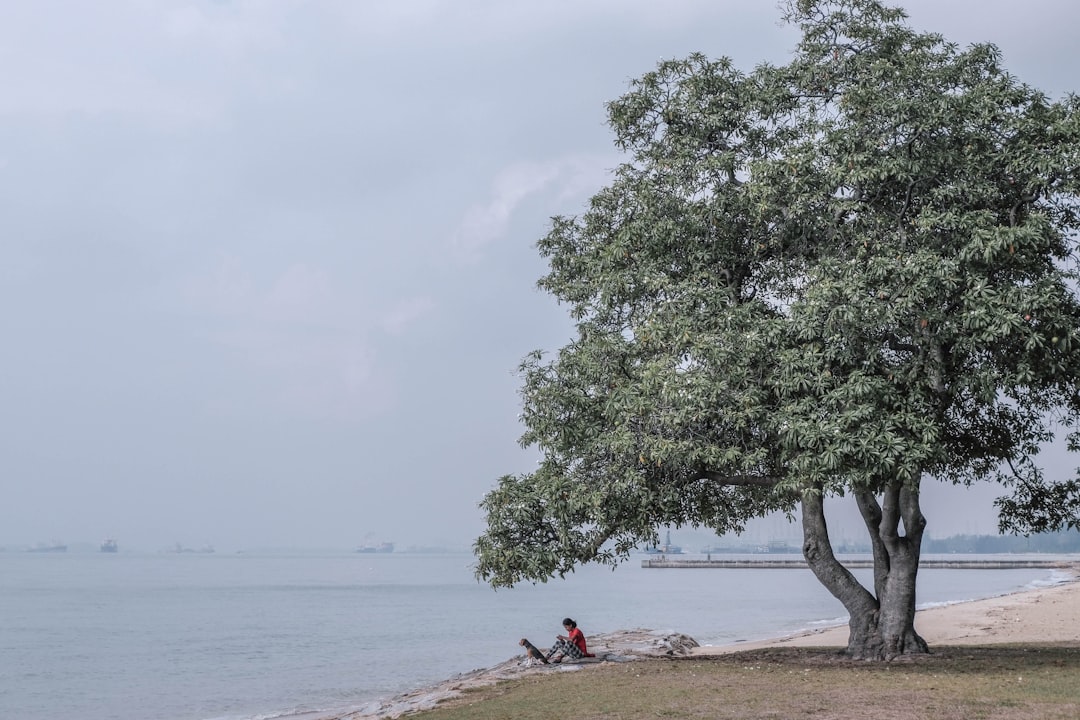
[[835, 277]]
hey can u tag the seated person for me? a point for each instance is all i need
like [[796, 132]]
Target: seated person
[[571, 645]]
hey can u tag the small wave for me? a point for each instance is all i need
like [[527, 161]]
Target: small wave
[[1057, 577], [294, 714], [812, 628], [947, 603]]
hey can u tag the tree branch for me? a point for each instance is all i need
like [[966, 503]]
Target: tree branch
[[871, 515], [743, 480]]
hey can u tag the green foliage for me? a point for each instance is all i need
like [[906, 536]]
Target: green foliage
[[853, 269]]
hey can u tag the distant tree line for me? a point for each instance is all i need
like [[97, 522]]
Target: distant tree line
[[1055, 542], [1067, 541]]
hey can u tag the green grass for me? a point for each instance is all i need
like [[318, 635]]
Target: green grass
[[952, 683]]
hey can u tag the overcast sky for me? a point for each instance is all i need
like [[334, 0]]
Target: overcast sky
[[267, 268]]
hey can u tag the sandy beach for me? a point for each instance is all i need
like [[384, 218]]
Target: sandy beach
[[1041, 615]]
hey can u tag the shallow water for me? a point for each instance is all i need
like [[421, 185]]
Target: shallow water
[[192, 637]]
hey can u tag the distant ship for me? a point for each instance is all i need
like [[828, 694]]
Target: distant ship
[[666, 549], [41, 547], [178, 548], [384, 547], [778, 546], [108, 545]]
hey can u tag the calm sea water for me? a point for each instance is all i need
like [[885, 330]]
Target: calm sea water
[[195, 637]]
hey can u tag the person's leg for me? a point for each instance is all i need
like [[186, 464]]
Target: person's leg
[[558, 648]]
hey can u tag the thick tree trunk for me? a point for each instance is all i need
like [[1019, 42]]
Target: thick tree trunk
[[882, 622]]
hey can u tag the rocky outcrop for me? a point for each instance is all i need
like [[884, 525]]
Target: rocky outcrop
[[630, 643]]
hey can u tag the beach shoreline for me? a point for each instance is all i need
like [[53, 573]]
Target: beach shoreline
[[1044, 614], [620, 646], [1049, 613]]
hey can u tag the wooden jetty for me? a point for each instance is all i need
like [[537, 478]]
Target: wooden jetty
[[795, 564]]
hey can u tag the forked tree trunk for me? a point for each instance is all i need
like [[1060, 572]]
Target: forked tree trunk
[[882, 624]]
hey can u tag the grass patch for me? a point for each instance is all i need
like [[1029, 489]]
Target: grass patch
[[953, 683]]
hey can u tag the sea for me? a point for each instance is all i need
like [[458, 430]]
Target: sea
[[168, 636]]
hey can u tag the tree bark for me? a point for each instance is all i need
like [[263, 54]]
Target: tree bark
[[882, 622]]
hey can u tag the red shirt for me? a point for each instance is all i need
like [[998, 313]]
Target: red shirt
[[578, 638]]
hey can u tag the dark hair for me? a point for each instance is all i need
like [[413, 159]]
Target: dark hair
[[568, 621]]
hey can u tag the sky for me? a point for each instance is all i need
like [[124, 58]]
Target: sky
[[267, 269]]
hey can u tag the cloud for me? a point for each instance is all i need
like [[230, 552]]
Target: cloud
[[418, 21], [305, 336], [232, 28], [301, 293], [226, 289], [567, 179], [169, 65], [405, 313]]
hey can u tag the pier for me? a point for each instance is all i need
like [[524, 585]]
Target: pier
[[795, 564]]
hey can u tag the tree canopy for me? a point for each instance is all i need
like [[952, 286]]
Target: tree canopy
[[837, 276]]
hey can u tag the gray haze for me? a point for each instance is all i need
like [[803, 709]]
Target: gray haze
[[267, 268]]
